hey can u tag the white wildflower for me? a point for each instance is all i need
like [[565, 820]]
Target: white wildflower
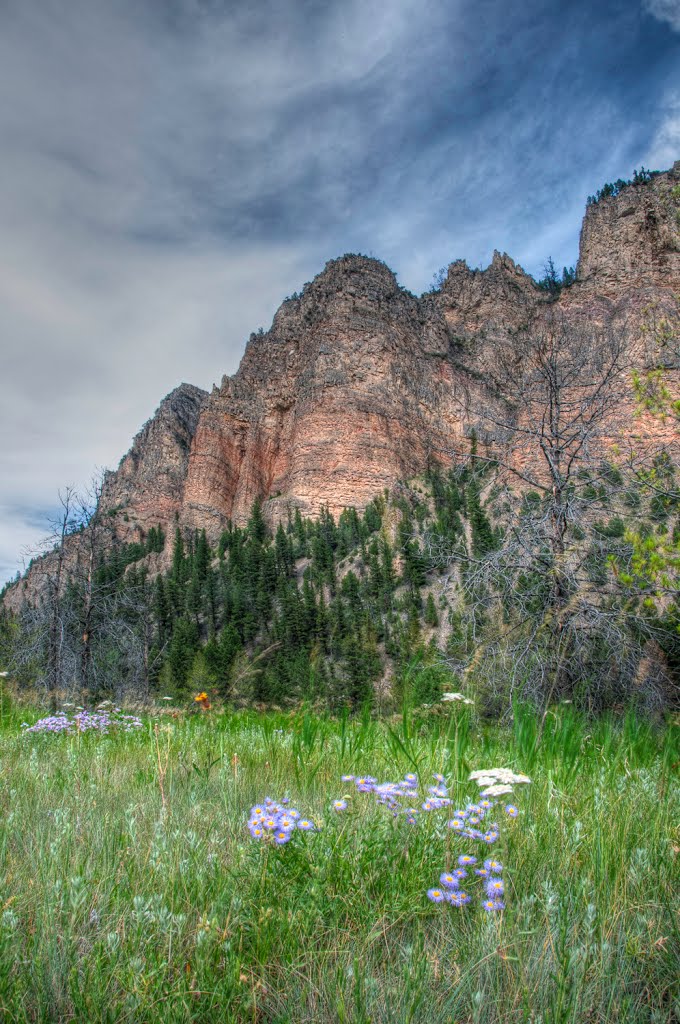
[[498, 776]]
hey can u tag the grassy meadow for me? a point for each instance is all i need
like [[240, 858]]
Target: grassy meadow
[[132, 890]]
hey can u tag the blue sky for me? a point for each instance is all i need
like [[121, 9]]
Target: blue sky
[[172, 169]]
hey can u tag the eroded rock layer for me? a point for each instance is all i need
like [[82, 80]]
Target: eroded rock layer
[[358, 383]]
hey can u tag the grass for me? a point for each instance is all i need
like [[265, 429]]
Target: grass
[[131, 890]]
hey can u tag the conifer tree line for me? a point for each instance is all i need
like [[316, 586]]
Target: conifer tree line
[[421, 592], [543, 564]]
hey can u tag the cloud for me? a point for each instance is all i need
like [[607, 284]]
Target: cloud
[[665, 10], [665, 146], [170, 171]]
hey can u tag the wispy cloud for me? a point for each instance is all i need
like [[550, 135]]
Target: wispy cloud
[[170, 171], [665, 146], [665, 10]]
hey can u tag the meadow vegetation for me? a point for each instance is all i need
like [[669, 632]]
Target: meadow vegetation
[[132, 889]]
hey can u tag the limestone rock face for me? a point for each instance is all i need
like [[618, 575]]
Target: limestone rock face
[[633, 238], [358, 383], [342, 397], [481, 304], [148, 485]]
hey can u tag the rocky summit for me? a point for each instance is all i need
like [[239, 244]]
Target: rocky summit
[[358, 383]]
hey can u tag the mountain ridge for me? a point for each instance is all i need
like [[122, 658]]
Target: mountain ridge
[[358, 383]]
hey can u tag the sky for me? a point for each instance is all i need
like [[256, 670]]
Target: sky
[[172, 169]]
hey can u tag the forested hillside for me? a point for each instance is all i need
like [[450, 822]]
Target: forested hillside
[[422, 593]]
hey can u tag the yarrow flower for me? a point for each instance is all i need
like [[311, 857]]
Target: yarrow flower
[[496, 790], [497, 781]]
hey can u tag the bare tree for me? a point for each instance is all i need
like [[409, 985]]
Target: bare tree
[[57, 627], [48, 621], [89, 591], [542, 601]]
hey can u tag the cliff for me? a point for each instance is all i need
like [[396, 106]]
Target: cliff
[[148, 485], [358, 383]]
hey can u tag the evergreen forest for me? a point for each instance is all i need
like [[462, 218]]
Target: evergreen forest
[[420, 594]]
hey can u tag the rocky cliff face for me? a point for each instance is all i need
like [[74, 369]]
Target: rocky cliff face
[[344, 395], [358, 383], [148, 485], [632, 239]]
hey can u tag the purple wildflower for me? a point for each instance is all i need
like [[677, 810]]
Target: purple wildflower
[[457, 898]]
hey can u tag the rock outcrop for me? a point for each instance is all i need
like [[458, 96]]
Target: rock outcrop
[[358, 383], [148, 486]]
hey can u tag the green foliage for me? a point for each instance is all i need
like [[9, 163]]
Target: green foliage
[[183, 647], [331, 611], [614, 188], [431, 617], [551, 282], [118, 906]]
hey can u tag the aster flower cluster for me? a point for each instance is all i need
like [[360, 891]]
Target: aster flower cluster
[[470, 822], [394, 795], [277, 822], [101, 721], [452, 889]]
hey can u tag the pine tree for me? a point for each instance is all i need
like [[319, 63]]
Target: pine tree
[[201, 560], [183, 647], [257, 528], [431, 617], [178, 559]]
